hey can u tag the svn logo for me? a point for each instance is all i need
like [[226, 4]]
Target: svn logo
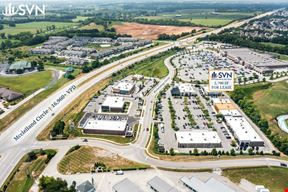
[[23, 10], [222, 75]]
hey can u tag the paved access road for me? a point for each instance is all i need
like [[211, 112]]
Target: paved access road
[[20, 137]]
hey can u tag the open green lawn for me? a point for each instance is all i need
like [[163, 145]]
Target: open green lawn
[[27, 84], [275, 179], [152, 69], [34, 26], [272, 102]]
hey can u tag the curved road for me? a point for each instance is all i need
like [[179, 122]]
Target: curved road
[[20, 137]]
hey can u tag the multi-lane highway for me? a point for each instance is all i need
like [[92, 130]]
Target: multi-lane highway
[[20, 137]]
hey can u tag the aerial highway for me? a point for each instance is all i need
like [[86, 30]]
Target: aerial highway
[[20, 137]]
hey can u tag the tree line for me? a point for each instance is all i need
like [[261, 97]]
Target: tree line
[[240, 97]]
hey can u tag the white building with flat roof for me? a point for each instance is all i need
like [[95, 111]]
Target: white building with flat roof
[[95, 126], [113, 104], [231, 112], [242, 130], [125, 88], [198, 139], [183, 89]]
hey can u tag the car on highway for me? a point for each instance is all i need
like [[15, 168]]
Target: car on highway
[[283, 164], [85, 140]]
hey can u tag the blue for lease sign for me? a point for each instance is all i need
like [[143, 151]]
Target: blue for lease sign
[[221, 80]]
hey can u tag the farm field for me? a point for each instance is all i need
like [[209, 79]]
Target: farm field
[[203, 17], [34, 26], [82, 160], [93, 26], [26, 84], [277, 182], [144, 31], [209, 22]]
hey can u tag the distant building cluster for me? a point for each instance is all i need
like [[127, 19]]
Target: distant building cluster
[[75, 52]]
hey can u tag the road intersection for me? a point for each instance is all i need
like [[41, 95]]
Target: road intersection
[[20, 137]]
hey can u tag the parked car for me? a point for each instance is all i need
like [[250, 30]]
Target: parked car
[[119, 172]]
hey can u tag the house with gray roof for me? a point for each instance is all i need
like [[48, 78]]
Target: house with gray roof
[[9, 95]]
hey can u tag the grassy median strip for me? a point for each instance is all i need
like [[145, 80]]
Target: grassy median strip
[[27, 171], [274, 178], [86, 159]]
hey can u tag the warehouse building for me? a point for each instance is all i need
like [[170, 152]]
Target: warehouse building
[[242, 130], [113, 104], [198, 139], [124, 88], [126, 186], [159, 185], [211, 185], [183, 89]]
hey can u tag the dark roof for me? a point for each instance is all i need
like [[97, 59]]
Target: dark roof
[[86, 187], [9, 95]]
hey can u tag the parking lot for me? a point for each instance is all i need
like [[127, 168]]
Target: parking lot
[[195, 65], [203, 115]]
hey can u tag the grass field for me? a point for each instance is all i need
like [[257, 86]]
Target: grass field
[[282, 57], [272, 44], [27, 84], [272, 102], [149, 68], [13, 116], [34, 26], [156, 68], [83, 160], [79, 18], [93, 26], [206, 17], [209, 22], [275, 179]]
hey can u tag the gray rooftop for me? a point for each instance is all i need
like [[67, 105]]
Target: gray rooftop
[[86, 187], [126, 186], [161, 186], [211, 185]]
